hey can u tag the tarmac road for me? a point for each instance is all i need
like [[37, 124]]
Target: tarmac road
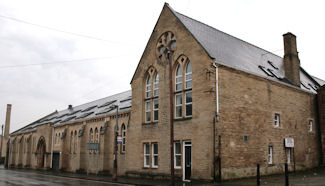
[[17, 178]]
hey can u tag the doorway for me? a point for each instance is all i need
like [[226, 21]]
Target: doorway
[[41, 151], [56, 161], [187, 160]]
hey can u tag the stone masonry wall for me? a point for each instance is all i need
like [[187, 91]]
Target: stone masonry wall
[[198, 128], [247, 107]]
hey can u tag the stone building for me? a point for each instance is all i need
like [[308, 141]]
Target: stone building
[[232, 105]]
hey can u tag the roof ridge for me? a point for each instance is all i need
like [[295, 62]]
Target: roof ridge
[[267, 52]]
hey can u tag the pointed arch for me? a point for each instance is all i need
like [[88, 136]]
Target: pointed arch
[[183, 87], [188, 75], [75, 142], [91, 135], [40, 152], [178, 78], [123, 134], [71, 142], [156, 85], [96, 135], [148, 86], [151, 103]]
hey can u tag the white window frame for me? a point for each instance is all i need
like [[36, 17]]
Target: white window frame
[[270, 155], [156, 85], [145, 146], [310, 126], [277, 120], [186, 74], [148, 87], [288, 155], [155, 110], [190, 103], [154, 155], [179, 67], [179, 105], [148, 111], [175, 155]]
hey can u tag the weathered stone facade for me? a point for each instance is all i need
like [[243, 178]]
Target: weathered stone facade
[[226, 118]]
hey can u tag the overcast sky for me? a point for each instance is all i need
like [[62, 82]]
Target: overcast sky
[[96, 45]]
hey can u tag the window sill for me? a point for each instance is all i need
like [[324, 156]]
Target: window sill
[[183, 119], [146, 167], [154, 97], [150, 123], [183, 90], [154, 167], [277, 127]]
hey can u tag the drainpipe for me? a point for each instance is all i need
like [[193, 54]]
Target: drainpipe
[[215, 120], [214, 64], [52, 147], [171, 118]]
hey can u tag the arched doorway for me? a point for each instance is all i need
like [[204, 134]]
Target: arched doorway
[[40, 152]]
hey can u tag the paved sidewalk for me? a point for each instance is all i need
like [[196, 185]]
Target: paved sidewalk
[[310, 177], [315, 177]]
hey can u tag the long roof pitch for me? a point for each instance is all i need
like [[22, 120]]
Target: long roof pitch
[[238, 54], [224, 48], [85, 111]]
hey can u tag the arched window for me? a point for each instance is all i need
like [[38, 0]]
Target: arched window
[[56, 138], [178, 78], [183, 88], [123, 131], [75, 141], [151, 104], [188, 75], [148, 87], [71, 142], [96, 135], [59, 138], [91, 135], [156, 85]]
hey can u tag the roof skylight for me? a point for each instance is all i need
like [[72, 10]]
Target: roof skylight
[[265, 71], [272, 64], [89, 108]]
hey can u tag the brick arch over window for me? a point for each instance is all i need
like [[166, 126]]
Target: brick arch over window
[[151, 95]]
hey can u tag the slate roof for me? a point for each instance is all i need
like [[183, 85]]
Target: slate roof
[[85, 111], [224, 48], [241, 55]]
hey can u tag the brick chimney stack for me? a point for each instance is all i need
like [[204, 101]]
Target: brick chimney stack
[[7, 124], [291, 59]]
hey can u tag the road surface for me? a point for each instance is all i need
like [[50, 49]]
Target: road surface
[[18, 177]]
